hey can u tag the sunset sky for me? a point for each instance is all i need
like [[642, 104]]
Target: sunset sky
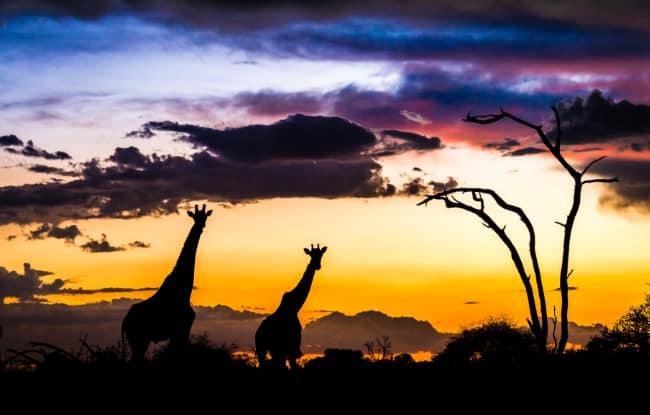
[[327, 124]]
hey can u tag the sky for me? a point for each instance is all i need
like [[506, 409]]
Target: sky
[[300, 123]]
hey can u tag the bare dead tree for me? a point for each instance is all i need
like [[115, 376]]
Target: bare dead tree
[[538, 328]]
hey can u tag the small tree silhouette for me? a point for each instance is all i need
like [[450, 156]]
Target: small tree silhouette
[[630, 333], [538, 326], [379, 349]]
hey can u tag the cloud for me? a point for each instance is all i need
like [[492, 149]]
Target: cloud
[[29, 150], [570, 288], [598, 119], [69, 233], [632, 192], [63, 325], [442, 186], [271, 103], [415, 117], [471, 302], [139, 244], [506, 145], [42, 168], [416, 186], [144, 132], [430, 88], [10, 140], [396, 141], [295, 137], [164, 182], [30, 287], [129, 156], [254, 15], [525, 151], [11, 237], [96, 246], [26, 286]]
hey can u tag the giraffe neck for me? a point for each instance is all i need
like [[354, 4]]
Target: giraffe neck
[[293, 300], [179, 283]]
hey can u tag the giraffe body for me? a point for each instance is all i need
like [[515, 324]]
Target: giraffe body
[[280, 333], [167, 314]]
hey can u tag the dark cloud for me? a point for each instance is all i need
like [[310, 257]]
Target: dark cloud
[[11, 237], [442, 186], [637, 147], [299, 156], [587, 149], [430, 89], [42, 168], [506, 145], [129, 156], [416, 186], [144, 132], [526, 151], [26, 286], [599, 119], [242, 13], [390, 29], [46, 230], [96, 246], [139, 244], [295, 137], [471, 302], [164, 182], [396, 141], [417, 169], [10, 140], [29, 150], [570, 288], [632, 192]]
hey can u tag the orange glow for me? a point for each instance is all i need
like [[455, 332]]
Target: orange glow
[[431, 263]]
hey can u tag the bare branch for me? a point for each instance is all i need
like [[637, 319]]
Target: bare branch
[[609, 180], [591, 164], [489, 119], [557, 127], [478, 194], [569, 274], [561, 224]]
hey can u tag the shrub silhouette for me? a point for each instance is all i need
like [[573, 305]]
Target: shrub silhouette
[[497, 341], [629, 334]]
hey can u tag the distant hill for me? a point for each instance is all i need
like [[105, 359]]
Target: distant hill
[[337, 330], [63, 325]]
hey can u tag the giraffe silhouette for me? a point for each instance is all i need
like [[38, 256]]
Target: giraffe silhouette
[[280, 333], [167, 314]]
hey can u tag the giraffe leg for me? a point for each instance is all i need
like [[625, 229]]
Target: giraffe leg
[[179, 342]]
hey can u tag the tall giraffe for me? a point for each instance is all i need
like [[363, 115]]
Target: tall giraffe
[[167, 314], [280, 333]]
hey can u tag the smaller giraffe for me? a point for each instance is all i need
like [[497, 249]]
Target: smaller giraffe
[[280, 333], [167, 314]]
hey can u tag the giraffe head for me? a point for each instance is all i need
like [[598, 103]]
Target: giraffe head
[[316, 254], [199, 216]]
